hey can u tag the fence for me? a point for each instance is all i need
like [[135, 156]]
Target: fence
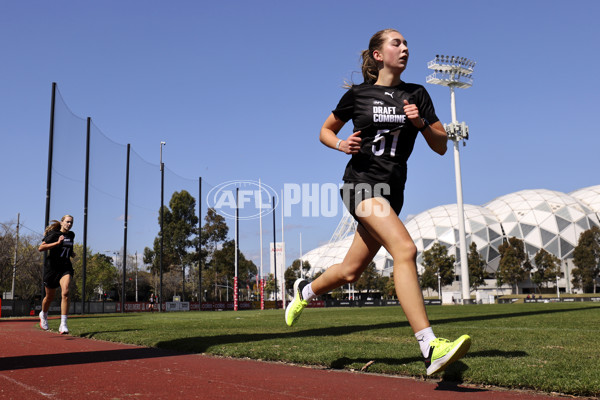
[[113, 194]]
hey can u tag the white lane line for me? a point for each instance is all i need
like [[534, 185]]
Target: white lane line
[[33, 389]]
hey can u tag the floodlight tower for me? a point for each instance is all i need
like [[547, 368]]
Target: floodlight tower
[[456, 72]]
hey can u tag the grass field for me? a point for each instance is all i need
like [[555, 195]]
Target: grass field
[[546, 347]]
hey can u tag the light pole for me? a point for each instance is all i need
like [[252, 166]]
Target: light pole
[[162, 202], [136, 278], [439, 284], [456, 72], [14, 275], [115, 260], [274, 252]]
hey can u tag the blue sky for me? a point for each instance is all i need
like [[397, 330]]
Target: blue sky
[[240, 89]]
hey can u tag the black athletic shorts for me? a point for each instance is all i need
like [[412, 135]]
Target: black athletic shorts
[[52, 276], [353, 193]]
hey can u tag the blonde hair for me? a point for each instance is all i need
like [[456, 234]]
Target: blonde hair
[[55, 225]]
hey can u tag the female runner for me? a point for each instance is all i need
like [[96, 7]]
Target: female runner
[[58, 270], [387, 115]]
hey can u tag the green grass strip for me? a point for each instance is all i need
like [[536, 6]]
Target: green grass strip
[[545, 347]]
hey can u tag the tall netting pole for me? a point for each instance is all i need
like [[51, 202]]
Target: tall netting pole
[[260, 232], [125, 229], [236, 259], [162, 203], [200, 244], [49, 175], [85, 213], [275, 254]]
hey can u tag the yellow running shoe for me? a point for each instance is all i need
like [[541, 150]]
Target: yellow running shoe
[[294, 309], [444, 352]]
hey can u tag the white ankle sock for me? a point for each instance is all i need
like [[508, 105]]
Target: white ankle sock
[[424, 336], [44, 314], [307, 293], [63, 319]]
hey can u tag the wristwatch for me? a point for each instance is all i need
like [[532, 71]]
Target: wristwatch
[[425, 125]]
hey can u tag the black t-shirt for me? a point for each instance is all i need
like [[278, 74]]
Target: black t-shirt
[[60, 255], [388, 137]]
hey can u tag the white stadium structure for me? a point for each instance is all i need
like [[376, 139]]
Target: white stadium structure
[[541, 218]]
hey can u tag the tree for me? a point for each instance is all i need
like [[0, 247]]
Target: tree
[[586, 258], [148, 259], [29, 269], [179, 226], [548, 268], [146, 285], [28, 273], [476, 267], [270, 288], [514, 265], [390, 287], [224, 263], [214, 233], [182, 227], [293, 272], [7, 251], [337, 293], [368, 280], [382, 286], [171, 284], [436, 261], [101, 274], [428, 279]]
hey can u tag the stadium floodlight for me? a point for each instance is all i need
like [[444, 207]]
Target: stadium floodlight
[[161, 147], [456, 72]]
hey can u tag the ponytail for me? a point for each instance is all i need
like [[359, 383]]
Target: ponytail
[[54, 226], [370, 67], [370, 70]]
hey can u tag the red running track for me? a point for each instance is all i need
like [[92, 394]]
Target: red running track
[[45, 365]]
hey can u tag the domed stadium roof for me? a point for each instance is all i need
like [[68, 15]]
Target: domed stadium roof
[[590, 196], [543, 219], [440, 224], [325, 256]]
